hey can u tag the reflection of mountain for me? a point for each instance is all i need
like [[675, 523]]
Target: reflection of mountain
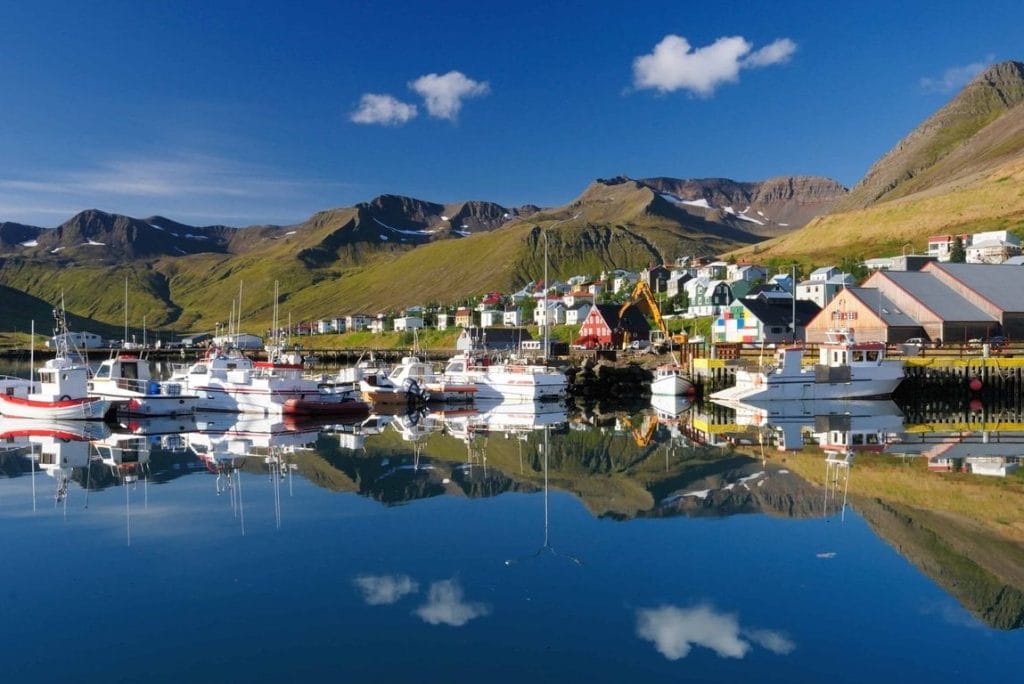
[[985, 574]]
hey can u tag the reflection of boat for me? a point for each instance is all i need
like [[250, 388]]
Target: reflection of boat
[[57, 446], [505, 380], [837, 425], [846, 370], [242, 434], [670, 408], [61, 392], [512, 416], [126, 381], [230, 381]]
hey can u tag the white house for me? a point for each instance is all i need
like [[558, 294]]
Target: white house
[[512, 318], [324, 326], [444, 320], [403, 323], [552, 314], [624, 282], [378, 325], [940, 246], [491, 318], [676, 280], [595, 289], [992, 247], [716, 270], [576, 298], [357, 322], [745, 272], [575, 315], [821, 290]]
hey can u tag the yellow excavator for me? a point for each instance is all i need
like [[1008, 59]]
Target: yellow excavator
[[643, 299]]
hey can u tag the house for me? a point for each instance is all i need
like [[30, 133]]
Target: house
[[767, 320], [357, 322], [577, 314], [463, 317], [940, 246], [491, 318], [378, 325], [821, 290], [576, 298], [490, 300], [403, 323], [716, 270], [707, 297], [603, 326], [624, 282], [595, 289], [496, 339], [324, 326], [870, 313], [656, 278], [512, 318], [338, 324], [674, 285], [783, 280], [992, 247], [550, 313], [749, 273], [444, 320], [995, 466]]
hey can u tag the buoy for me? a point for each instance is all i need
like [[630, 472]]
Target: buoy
[[975, 384]]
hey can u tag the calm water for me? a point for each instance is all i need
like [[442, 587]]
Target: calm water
[[431, 551]]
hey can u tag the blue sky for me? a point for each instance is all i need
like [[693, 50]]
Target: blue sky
[[252, 112]]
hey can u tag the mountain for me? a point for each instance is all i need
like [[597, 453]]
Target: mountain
[[956, 141], [960, 171], [768, 208]]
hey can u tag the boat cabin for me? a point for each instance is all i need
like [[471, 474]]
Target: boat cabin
[[60, 378]]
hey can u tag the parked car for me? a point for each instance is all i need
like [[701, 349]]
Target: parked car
[[917, 342], [997, 341]]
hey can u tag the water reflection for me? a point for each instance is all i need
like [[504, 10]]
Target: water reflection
[[674, 631], [795, 460]]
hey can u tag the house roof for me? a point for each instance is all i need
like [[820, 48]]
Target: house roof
[[1001, 284], [936, 295], [499, 337], [632, 319], [890, 313], [781, 312]]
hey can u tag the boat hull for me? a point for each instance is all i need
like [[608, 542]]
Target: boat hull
[[86, 408], [671, 385], [759, 387]]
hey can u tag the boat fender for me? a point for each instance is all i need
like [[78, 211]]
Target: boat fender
[[757, 379], [65, 397]]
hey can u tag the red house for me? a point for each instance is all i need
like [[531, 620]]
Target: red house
[[603, 327]]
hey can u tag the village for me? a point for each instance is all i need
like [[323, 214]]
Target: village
[[959, 291]]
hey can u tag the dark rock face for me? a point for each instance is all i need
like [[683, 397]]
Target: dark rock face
[[774, 206]]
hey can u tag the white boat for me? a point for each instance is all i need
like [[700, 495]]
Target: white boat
[[126, 381], [669, 381], [61, 393], [414, 381], [230, 381], [506, 380], [846, 369]]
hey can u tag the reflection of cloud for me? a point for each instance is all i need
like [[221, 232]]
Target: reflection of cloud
[[384, 590], [445, 606], [674, 631], [776, 642]]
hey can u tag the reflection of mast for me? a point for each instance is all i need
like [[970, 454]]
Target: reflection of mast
[[837, 472], [546, 546]]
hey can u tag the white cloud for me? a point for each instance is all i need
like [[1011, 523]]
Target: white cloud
[[674, 631], [385, 590], [443, 94], [955, 77], [384, 110], [675, 65], [445, 606], [777, 52]]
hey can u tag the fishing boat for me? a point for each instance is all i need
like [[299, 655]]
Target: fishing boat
[[846, 369], [61, 393], [505, 379], [414, 382], [670, 381], [126, 381]]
